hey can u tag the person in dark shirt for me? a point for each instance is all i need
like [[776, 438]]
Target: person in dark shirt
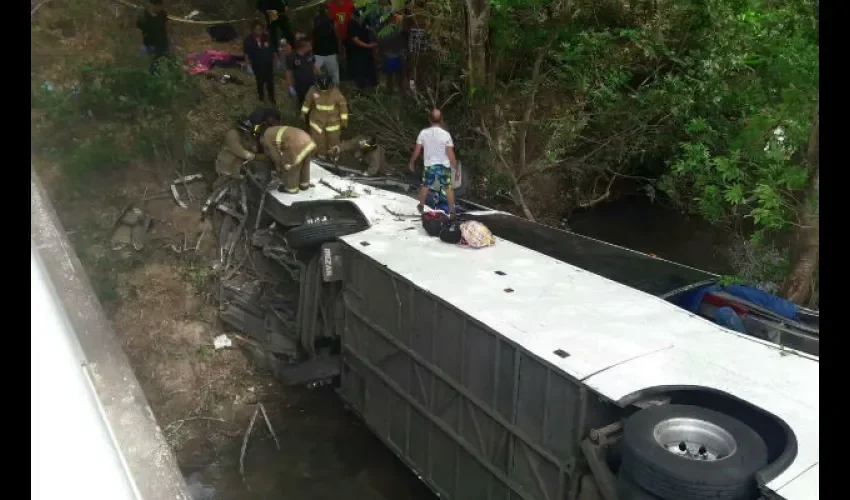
[[261, 56], [326, 44], [394, 47], [361, 59], [301, 71], [156, 31], [277, 21]]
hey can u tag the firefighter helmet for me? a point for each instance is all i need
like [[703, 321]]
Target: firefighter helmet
[[367, 143], [244, 126], [323, 81]]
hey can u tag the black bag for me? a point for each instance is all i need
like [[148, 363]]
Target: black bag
[[222, 33], [434, 222], [450, 233]]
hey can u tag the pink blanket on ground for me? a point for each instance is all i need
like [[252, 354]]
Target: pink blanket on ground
[[204, 61]]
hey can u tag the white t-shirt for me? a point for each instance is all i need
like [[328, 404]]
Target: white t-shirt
[[434, 141]]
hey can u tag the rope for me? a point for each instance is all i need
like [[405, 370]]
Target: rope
[[230, 21]]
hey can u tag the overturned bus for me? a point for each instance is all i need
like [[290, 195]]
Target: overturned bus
[[548, 366]]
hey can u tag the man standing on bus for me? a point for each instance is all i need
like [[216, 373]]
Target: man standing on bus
[[440, 163]]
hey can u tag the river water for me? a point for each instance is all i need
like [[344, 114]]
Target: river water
[[326, 450]]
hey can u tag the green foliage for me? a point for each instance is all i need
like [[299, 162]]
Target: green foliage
[[118, 111], [123, 91], [748, 111], [90, 156]]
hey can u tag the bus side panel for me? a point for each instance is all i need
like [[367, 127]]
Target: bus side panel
[[475, 416]]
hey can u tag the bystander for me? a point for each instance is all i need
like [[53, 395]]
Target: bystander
[[326, 44], [261, 56], [361, 57], [156, 31], [301, 71]]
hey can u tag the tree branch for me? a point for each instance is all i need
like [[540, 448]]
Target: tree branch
[[519, 198]]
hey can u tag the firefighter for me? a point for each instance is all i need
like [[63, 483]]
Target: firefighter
[[290, 149], [261, 119], [367, 151], [239, 147], [328, 114]]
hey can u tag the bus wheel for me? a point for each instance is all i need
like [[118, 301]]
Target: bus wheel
[[680, 452]]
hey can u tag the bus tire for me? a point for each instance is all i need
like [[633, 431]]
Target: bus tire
[[681, 452], [314, 234]]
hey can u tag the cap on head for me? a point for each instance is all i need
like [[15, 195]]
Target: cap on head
[[435, 117]]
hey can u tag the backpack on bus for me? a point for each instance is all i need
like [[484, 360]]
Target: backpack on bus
[[434, 222]]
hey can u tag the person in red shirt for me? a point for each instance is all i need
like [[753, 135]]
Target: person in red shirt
[[341, 12]]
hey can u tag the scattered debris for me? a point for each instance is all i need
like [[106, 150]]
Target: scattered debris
[[183, 181], [131, 228], [221, 342], [401, 216]]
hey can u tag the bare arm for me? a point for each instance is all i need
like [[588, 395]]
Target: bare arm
[[360, 44], [416, 151]]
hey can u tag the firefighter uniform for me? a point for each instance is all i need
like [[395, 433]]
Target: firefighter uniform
[[367, 151], [290, 149], [328, 112], [237, 149]]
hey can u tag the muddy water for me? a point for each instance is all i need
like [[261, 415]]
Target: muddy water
[[327, 451]]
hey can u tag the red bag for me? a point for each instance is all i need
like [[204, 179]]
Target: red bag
[[434, 222]]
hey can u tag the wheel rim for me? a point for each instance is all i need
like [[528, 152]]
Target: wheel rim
[[695, 439]]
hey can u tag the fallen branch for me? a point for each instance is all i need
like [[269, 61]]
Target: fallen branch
[[245, 444], [260, 408], [269, 424], [601, 198]]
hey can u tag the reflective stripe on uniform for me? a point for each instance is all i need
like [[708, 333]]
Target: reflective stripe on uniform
[[304, 152], [305, 109], [324, 107], [333, 128], [316, 127], [344, 116], [279, 136]]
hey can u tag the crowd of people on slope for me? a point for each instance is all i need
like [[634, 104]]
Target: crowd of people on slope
[[342, 36]]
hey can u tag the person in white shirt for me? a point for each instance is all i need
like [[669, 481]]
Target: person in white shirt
[[440, 163]]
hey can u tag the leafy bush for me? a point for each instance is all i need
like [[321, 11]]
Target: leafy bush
[[122, 91], [147, 109], [91, 156]]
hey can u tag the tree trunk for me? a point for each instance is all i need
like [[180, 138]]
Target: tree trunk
[[806, 246], [477, 31]]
